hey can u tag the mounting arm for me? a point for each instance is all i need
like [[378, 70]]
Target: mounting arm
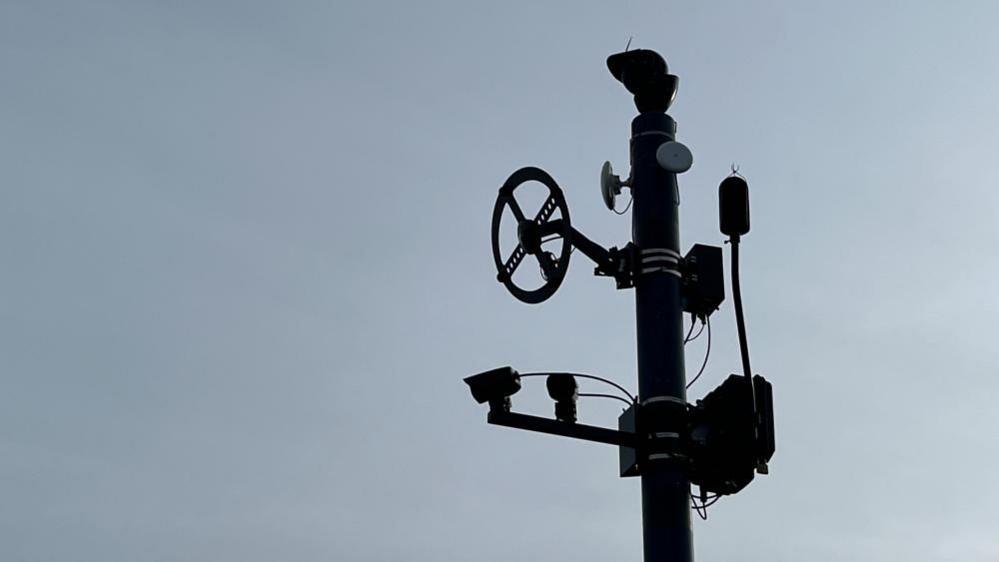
[[565, 429], [591, 249], [615, 263]]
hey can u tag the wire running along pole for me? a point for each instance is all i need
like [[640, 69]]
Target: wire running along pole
[[740, 320]]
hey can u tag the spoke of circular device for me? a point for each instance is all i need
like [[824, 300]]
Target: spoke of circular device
[[548, 267], [514, 260], [515, 208], [546, 210]]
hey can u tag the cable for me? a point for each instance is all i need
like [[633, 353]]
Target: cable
[[698, 334], [702, 509], [612, 383], [740, 321], [598, 395], [628, 206], [701, 512], [707, 353], [712, 500], [552, 239], [739, 318], [693, 322], [557, 237], [553, 259], [689, 339], [582, 376]]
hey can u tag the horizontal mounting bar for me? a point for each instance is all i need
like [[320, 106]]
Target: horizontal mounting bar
[[565, 429]]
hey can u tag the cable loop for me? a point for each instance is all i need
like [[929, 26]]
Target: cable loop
[[584, 376]]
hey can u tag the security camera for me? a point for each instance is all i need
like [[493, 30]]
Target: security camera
[[645, 74], [495, 386], [563, 390]]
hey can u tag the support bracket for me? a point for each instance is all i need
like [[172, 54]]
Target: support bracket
[[565, 429]]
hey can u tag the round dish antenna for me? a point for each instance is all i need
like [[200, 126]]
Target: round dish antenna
[[674, 157], [610, 185]]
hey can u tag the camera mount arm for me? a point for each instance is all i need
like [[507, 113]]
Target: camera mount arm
[[585, 432]]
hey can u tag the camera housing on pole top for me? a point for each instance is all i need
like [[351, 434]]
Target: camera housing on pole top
[[645, 74]]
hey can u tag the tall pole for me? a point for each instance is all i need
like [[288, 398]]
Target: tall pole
[[661, 437], [659, 314]]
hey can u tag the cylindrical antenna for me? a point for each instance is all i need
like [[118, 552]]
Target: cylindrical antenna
[[733, 209], [733, 206]]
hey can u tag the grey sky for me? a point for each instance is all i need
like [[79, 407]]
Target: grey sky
[[246, 264]]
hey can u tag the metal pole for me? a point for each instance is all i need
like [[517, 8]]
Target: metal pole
[[661, 379]]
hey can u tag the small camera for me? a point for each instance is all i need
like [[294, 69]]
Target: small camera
[[645, 74], [564, 391], [495, 386]]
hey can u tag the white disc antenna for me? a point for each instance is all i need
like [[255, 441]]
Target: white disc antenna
[[674, 157]]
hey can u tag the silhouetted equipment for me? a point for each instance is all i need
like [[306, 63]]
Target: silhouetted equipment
[[724, 439], [645, 74], [733, 206], [610, 185], [703, 280], [674, 157], [530, 232], [728, 440], [627, 422], [495, 386], [563, 389]]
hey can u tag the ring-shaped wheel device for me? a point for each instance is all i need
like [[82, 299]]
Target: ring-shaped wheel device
[[530, 233]]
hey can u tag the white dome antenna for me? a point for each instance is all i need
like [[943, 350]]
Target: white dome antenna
[[674, 157]]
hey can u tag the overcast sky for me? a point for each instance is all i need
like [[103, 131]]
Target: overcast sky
[[245, 265]]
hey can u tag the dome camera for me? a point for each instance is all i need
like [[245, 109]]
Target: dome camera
[[645, 74], [563, 390]]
